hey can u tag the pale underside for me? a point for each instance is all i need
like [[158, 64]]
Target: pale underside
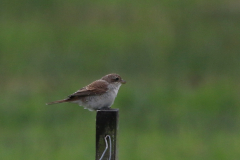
[[99, 101]]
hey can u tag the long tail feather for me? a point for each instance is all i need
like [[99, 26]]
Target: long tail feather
[[55, 102]]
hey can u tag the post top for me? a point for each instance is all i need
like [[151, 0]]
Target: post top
[[108, 110]]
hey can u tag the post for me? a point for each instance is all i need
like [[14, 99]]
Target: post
[[106, 134]]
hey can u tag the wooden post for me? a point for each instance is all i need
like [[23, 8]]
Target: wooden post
[[106, 134]]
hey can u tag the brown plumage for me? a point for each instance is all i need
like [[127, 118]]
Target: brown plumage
[[96, 88]]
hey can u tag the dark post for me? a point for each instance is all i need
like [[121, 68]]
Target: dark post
[[106, 134]]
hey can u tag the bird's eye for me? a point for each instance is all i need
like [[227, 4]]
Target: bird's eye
[[116, 79]]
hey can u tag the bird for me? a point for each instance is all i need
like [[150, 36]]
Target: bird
[[98, 95]]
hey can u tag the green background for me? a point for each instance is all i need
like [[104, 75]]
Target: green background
[[180, 60]]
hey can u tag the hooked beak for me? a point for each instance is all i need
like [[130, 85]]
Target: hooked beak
[[123, 82]]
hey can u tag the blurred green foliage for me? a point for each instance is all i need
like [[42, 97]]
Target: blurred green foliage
[[180, 59]]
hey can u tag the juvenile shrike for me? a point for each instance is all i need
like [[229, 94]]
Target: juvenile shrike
[[98, 95]]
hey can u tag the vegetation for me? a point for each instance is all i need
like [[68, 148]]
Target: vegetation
[[180, 60]]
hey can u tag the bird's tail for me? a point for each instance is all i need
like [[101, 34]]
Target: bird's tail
[[55, 102]]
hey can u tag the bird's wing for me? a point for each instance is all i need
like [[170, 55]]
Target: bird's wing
[[95, 88]]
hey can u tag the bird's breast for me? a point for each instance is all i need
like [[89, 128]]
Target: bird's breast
[[99, 101]]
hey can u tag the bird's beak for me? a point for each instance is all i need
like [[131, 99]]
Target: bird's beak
[[123, 82]]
